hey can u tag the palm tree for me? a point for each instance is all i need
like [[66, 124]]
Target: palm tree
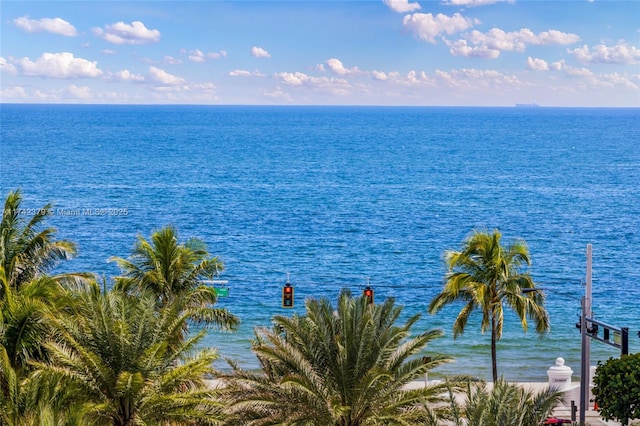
[[12, 400], [115, 362], [486, 277], [24, 326], [24, 318], [22, 402], [173, 271], [505, 404], [27, 249], [342, 367]]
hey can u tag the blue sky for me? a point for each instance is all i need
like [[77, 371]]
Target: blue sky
[[384, 52]]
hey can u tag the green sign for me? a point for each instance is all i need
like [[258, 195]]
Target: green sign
[[222, 291]]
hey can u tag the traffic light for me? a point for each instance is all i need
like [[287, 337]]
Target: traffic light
[[368, 293], [287, 296]]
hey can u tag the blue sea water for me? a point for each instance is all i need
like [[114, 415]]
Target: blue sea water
[[339, 197]]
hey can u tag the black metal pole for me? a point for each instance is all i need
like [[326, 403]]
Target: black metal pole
[[584, 366], [624, 343]]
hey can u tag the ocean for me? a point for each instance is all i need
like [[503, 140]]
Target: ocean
[[345, 197]]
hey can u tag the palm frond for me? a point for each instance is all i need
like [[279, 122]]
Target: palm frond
[[118, 353], [346, 365], [27, 250]]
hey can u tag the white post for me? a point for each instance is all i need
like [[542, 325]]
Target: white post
[[426, 360], [585, 351]]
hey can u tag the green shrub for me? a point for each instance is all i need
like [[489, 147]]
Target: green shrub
[[617, 388]]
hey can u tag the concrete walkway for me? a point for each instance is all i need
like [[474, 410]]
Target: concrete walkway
[[591, 417]]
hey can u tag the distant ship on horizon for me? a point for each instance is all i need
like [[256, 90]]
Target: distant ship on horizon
[[532, 105]]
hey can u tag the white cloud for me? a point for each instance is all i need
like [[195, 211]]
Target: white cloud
[[278, 93], [15, 92], [7, 67], [201, 87], [414, 77], [46, 95], [79, 92], [588, 80], [196, 56], [121, 33], [259, 52], [108, 52], [336, 86], [160, 76], [615, 79], [461, 48], [379, 75], [427, 26], [199, 56], [336, 66], [217, 55], [245, 73], [184, 93], [465, 79], [59, 65], [167, 89], [557, 66], [498, 39], [293, 79], [470, 3], [49, 25], [555, 37], [622, 53], [576, 72], [240, 73], [402, 6], [128, 76], [537, 64], [171, 60], [472, 78]]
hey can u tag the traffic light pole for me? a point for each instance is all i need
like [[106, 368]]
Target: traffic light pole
[[584, 364], [589, 329], [585, 347]]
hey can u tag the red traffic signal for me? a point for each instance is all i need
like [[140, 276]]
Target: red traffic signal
[[287, 296], [368, 293]]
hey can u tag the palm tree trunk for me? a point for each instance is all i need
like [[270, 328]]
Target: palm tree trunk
[[494, 337]]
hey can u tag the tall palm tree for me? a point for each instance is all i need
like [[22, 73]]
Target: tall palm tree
[[24, 326], [28, 249], [173, 271], [114, 361], [12, 400], [343, 367], [486, 276], [24, 318]]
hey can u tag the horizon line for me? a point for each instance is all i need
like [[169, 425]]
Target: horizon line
[[519, 106]]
